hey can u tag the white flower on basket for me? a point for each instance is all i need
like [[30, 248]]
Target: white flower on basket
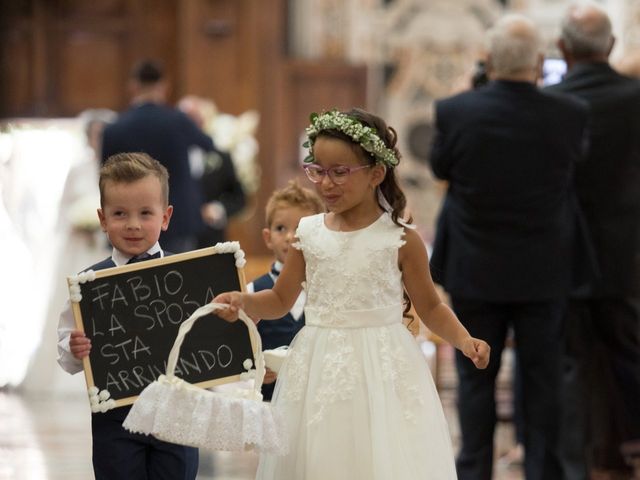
[[247, 364]]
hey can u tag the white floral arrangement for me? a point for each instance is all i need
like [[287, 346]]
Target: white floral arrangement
[[82, 213], [236, 135], [366, 136]]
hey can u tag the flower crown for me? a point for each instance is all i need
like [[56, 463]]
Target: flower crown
[[366, 136]]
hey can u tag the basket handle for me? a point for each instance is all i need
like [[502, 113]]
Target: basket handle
[[254, 336]]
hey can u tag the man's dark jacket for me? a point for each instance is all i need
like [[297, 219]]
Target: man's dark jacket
[[220, 183], [509, 228], [608, 181], [165, 134]]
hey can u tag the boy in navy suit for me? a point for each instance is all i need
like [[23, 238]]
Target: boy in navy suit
[[134, 201], [284, 210]]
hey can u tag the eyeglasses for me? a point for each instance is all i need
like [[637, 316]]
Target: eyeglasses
[[338, 173]]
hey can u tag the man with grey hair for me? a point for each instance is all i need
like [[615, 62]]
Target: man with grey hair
[[514, 47], [602, 373], [506, 239]]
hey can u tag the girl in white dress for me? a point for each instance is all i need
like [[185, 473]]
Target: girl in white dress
[[355, 390]]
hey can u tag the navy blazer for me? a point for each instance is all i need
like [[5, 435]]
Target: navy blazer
[[508, 224], [608, 181], [165, 134]]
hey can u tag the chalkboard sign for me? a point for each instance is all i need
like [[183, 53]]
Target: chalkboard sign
[[132, 313]]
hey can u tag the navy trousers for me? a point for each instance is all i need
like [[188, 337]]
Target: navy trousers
[[538, 333], [119, 454]]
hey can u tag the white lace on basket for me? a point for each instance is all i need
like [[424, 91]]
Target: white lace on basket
[[254, 336], [173, 410]]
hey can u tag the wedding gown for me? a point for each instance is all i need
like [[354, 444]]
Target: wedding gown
[[355, 390]]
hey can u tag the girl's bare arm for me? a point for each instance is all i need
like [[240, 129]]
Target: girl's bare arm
[[273, 303], [435, 314]]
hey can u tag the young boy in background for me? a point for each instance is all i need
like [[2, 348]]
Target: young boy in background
[[284, 210], [134, 201]]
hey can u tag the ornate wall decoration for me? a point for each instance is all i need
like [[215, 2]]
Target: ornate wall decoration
[[428, 51], [418, 51], [631, 26]]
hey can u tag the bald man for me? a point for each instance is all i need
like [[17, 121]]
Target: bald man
[[603, 359], [505, 239]]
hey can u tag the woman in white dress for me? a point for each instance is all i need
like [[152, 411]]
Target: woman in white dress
[[355, 390]]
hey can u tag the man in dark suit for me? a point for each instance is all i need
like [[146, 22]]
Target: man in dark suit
[[223, 194], [505, 239], [603, 364], [165, 134]]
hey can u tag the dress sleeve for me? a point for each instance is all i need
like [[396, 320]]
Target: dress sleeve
[[303, 228]]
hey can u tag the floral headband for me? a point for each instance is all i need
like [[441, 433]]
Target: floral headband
[[366, 136]]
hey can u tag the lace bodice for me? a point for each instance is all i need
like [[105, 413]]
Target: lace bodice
[[350, 271]]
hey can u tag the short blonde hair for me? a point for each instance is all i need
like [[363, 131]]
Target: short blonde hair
[[129, 167], [293, 195]]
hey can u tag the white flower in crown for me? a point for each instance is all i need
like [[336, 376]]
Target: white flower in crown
[[366, 136]]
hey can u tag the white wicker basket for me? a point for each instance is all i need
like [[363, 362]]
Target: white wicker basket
[[175, 411]]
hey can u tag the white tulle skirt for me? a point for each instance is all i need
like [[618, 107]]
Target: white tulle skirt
[[360, 404]]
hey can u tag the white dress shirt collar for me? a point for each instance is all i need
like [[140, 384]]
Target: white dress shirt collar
[[120, 258]]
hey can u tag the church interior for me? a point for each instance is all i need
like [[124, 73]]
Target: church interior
[[259, 68]]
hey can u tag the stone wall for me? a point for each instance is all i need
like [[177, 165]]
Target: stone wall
[[418, 51]]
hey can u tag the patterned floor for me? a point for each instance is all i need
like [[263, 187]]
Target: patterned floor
[[49, 438]]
